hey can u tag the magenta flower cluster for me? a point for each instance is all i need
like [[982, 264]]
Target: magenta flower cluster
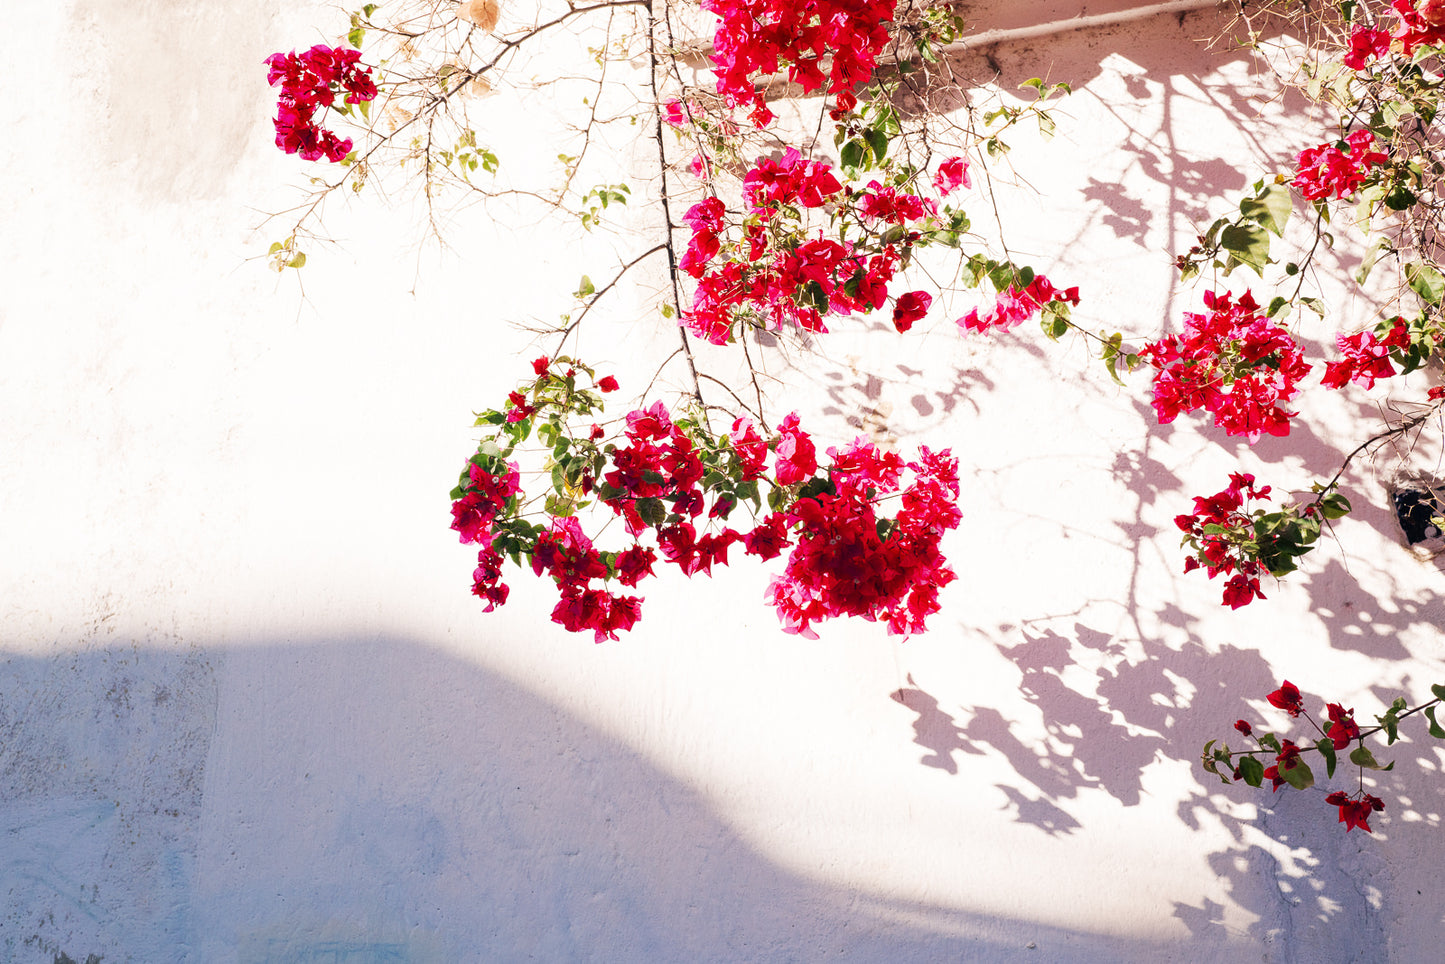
[[311, 81]]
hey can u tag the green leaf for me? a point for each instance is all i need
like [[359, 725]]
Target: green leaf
[[1269, 740], [877, 143], [652, 510], [852, 154], [586, 288], [1206, 758], [1435, 729], [299, 261], [1425, 281], [559, 506], [1327, 750], [1391, 720], [1299, 776], [355, 36], [368, 9], [1269, 209], [1439, 690], [1362, 757], [1252, 770], [1399, 198], [1248, 243], [1334, 506]]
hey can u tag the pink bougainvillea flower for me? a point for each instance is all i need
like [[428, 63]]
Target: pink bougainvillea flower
[[1355, 813], [950, 175], [792, 179], [519, 407], [1366, 44], [796, 457], [769, 538], [539, 365], [1241, 590], [889, 204], [846, 563], [1014, 306], [750, 449], [1326, 171], [310, 81], [1287, 698], [759, 36], [1218, 529], [635, 564], [1233, 362], [1366, 357], [1422, 25], [607, 383], [1343, 727], [1244, 727], [487, 579], [909, 308], [649, 423]]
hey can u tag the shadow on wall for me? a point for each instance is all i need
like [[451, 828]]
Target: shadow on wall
[[1329, 891], [369, 801]]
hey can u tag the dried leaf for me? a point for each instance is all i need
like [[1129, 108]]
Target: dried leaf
[[483, 13]]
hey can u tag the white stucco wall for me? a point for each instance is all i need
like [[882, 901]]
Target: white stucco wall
[[249, 712]]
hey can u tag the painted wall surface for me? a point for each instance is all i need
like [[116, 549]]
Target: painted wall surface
[[249, 712]]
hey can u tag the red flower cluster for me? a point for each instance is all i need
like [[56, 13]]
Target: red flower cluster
[[1354, 813], [1366, 357], [1014, 306], [756, 36], [910, 307], [568, 556], [1422, 24], [793, 179], [1326, 171], [1233, 362], [486, 496], [951, 173], [310, 81], [846, 563], [671, 477], [1287, 759], [1287, 698], [772, 273], [1343, 727], [797, 457], [877, 202], [659, 464], [1216, 530], [1366, 44], [1341, 732], [677, 114]]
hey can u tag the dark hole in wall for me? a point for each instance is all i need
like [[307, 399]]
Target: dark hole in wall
[[1415, 507]]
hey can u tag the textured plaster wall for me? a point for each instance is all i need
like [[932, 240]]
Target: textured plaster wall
[[249, 713]]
